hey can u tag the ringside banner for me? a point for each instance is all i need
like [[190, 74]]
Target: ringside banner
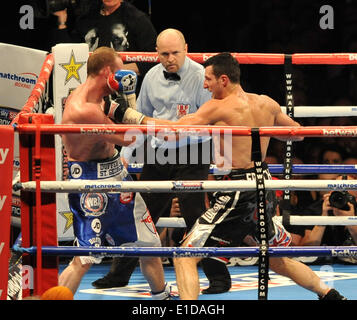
[[70, 70], [19, 71]]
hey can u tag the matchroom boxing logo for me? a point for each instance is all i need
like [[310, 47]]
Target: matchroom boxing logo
[[23, 80]]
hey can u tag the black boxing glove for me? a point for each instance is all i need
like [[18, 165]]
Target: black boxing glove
[[118, 110]]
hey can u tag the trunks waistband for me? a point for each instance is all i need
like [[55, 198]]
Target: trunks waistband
[[101, 169], [245, 174]]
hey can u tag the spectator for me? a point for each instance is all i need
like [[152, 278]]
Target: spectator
[[116, 24], [333, 235], [332, 154]]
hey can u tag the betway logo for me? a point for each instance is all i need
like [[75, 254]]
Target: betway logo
[[141, 58], [345, 132]]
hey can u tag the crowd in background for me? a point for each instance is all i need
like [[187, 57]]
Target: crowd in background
[[275, 26]]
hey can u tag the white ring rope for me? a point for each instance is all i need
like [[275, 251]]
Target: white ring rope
[[296, 220], [87, 186], [323, 111]]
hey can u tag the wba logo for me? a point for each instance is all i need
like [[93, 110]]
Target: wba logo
[[94, 204]]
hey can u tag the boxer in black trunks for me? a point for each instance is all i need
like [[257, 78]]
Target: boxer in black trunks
[[236, 214], [232, 106]]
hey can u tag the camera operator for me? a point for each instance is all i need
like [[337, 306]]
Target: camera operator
[[334, 204]]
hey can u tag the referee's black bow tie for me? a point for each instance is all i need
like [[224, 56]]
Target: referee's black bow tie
[[171, 76]]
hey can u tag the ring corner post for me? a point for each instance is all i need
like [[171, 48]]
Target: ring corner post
[[6, 165], [38, 220]]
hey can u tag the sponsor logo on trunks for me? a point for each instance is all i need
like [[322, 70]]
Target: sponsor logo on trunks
[[126, 197], [96, 225], [94, 204], [96, 242], [221, 241], [76, 171], [147, 220], [180, 185], [182, 110], [109, 239], [211, 213], [109, 169]]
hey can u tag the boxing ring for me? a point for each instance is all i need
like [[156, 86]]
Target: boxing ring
[[38, 185]]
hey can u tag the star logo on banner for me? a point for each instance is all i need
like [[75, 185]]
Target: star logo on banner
[[72, 68], [69, 220]]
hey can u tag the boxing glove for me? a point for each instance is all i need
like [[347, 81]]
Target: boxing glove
[[124, 81], [119, 110]]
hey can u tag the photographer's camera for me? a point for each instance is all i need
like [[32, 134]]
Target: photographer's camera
[[340, 200]]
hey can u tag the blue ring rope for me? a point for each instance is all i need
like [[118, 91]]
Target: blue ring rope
[[175, 252], [279, 168]]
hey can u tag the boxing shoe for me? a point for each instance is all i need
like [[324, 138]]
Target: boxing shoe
[[119, 274], [332, 295], [217, 285], [218, 276], [109, 281], [166, 294]]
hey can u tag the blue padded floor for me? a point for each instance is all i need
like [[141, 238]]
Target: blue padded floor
[[244, 284]]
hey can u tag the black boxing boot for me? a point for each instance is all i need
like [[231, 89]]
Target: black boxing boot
[[119, 274], [218, 276], [332, 295]]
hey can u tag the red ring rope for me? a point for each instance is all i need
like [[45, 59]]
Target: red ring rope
[[255, 58], [313, 131]]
